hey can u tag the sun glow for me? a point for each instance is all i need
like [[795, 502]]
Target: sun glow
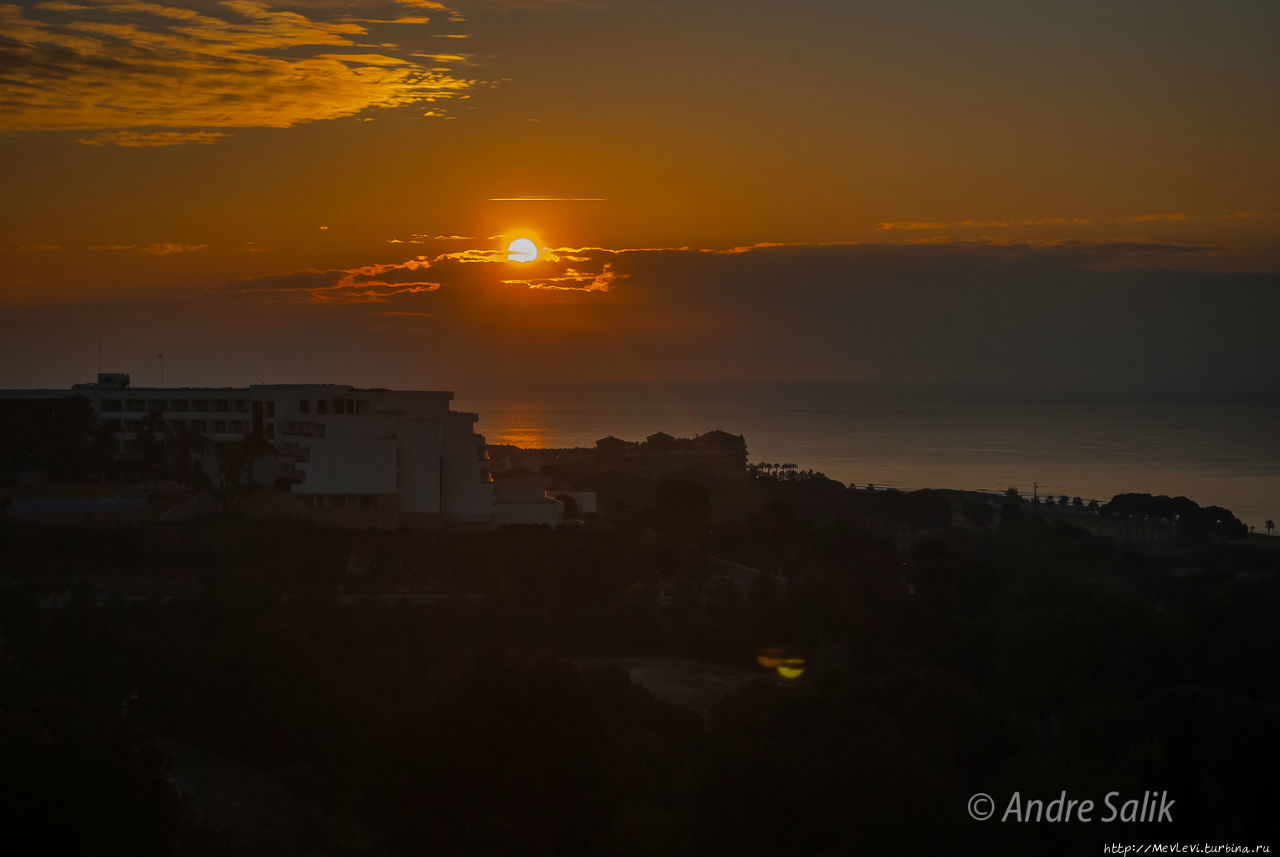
[[522, 250]]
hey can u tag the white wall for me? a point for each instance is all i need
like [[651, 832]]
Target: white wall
[[548, 512], [465, 483], [419, 445], [350, 465]]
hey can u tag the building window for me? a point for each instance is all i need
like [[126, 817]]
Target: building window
[[368, 502], [111, 405], [269, 409], [304, 406], [322, 407]]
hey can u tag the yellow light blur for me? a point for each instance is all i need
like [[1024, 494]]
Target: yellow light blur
[[771, 658], [791, 668]]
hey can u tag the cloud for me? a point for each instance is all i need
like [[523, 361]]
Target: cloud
[[1035, 314], [30, 248], [1168, 216], [535, 5], [169, 249], [147, 73], [572, 280], [546, 199], [151, 138], [153, 249], [481, 274], [1147, 218]]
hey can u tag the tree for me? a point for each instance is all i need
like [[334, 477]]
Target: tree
[[61, 436], [571, 509], [681, 507], [1011, 509], [977, 513], [1077, 503], [181, 449], [1062, 501], [926, 509], [1269, 526], [235, 466]]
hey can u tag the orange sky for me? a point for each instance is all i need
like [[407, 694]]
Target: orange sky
[[200, 154]]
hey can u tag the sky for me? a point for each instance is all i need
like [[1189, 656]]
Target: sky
[[1081, 194]]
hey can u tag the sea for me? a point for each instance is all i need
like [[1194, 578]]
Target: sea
[[1216, 448]]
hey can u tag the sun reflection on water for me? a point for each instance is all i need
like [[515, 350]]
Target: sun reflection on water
[[525, 436], [522, 427]]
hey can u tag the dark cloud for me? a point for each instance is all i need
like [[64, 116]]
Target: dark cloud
[[1025, 314]]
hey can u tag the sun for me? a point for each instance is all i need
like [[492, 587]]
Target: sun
[[522, 250]]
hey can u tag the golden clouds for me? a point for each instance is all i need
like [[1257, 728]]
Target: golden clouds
[[474, 272], [134, 70], [572, 280]]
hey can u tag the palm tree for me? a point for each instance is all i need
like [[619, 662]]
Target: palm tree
[[235, 464], [182, 447], [1269, 526]]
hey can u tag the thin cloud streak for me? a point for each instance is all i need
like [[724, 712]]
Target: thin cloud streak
[[152, 249], [547, 199], [1165, 216]]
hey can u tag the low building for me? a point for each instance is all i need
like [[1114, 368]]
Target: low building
[[524, 500], [343, 455], [714, 453]]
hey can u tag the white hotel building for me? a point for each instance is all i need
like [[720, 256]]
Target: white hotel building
[[345, 455]]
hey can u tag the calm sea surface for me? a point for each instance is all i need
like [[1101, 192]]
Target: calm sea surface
[[1222, 449]]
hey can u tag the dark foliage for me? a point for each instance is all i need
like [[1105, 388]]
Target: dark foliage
[[939, 662], [1195, 523]]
